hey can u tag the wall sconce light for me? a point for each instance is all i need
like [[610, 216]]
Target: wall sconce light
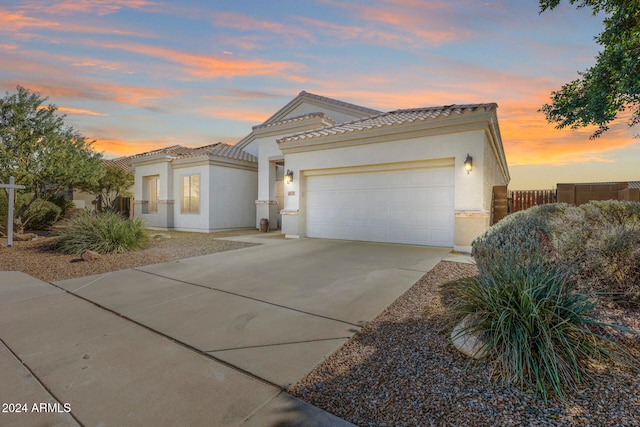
[[288, 178], [468, 166]]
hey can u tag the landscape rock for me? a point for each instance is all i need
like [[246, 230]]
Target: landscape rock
[[24, 237], [90, 256], [466, 341], [159, 236]]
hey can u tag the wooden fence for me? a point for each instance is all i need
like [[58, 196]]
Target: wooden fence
[[524, 199]]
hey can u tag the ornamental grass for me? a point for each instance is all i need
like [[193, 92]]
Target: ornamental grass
[[102, 232]]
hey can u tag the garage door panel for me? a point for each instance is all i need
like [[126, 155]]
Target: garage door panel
[[441, 237], [441, 197], [403, 206]]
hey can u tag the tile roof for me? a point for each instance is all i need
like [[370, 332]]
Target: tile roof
[[634, 184], [219, 149], [125, 163], [312, 96], [389, 119], [295, 119]]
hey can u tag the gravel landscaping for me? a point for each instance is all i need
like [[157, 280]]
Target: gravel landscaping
[[401, 370], [36, 259]]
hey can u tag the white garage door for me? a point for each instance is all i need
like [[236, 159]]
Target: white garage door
[[401, 206]]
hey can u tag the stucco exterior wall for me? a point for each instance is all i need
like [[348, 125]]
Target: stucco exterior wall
[[234, 193]]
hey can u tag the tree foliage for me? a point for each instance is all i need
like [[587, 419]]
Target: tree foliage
[[41, 152], [612, 85], [115, 182]]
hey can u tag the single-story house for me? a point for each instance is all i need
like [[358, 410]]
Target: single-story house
[[325, 168]]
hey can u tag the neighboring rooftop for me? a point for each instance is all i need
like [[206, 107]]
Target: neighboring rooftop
[[391, 118], [222, 150], [219, 149]]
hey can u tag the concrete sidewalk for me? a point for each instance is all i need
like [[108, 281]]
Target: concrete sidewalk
[[59, 349], [208, 340]]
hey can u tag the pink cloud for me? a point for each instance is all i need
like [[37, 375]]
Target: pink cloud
[[404, 20], [81, 111], [211, 66], [12, 21], [251, 117], [18, 21], [101, 7]]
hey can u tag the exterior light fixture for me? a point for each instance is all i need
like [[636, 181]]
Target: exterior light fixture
[[288, 178], [468, 166]]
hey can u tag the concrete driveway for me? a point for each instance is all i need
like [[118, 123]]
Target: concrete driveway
[[215, 339]]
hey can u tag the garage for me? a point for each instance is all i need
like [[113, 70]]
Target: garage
[[411, 206]]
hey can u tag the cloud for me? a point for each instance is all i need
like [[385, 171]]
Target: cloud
[[15, 21], [117, 147], [18, 21], [88, 90], [355, 32], [100, 7], [242, 94], [241, 114], [204, 66], [412, 22], [82, 111], [242, 22]]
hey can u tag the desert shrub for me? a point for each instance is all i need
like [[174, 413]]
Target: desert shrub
[[102, 232], [40, 215], [610, 263], [521, 236], [613, 212], [599, 243], [535, 324]]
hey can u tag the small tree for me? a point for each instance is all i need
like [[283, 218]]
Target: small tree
[[41, 152], [116, 182]]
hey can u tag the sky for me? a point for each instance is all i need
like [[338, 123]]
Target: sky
[[137, 75]]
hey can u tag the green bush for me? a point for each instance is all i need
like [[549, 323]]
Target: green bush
[[534, 323], [64, 205], [40, 215], [102, 232]]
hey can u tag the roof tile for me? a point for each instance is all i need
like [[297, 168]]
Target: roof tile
[[295, 119], [389, 119]]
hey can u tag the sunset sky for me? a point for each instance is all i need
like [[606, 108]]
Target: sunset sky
[[137, 75]]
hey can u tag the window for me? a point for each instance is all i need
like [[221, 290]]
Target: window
[[190, 194], [152, 193]]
